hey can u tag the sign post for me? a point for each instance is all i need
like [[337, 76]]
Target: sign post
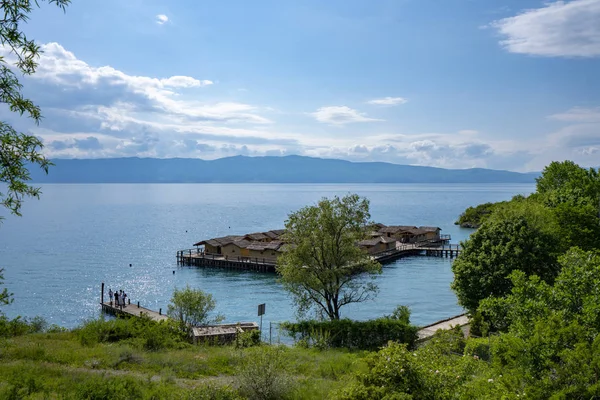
[[261, 311]]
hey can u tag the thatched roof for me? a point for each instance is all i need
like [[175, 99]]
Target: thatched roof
[[397, 228], [430, 228], [375, 241], [257, 236], [220, 241], [262, 246]]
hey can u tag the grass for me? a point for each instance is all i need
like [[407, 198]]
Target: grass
[[61, 365]]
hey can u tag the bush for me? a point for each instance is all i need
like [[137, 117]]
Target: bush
[[356, 335], [113, 388], [479, 347], [22, 326], [247, 339], [213, 392], [263, 375], [142, 332]]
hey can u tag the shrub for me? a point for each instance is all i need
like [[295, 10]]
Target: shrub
[[113, 388], [363, 335], [479, 347], [247, 339], [263, 375], [213, 392], [21, 326], [142, 332]]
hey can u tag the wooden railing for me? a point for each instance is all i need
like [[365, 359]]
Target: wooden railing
[[196, 253]]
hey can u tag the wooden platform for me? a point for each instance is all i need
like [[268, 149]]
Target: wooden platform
[[224, 333], [428, 331], [133, 310], [196, 258]]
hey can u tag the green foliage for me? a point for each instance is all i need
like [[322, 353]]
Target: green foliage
[[566, 181], [118, 388], [434, 371], [247, 339], [22, 326], [5, 296], [552, 339], [473, 217], [57, 366], [500, 246], [479, 347], [322, 267], [578, 225], [213, 392], [192, 307], [349, 334], [141, 332], [401, 314], [18, 150], [263, 374]]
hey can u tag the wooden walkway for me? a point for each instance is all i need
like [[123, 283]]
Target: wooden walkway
[[133, 310], [414, 249], [428, 331], [196, 258]]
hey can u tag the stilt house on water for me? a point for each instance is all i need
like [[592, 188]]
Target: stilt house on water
[[260, 250]]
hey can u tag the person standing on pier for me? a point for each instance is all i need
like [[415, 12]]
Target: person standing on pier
[[116, 298], [124, 299], [110, 295]]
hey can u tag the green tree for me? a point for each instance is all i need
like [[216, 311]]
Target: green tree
[[568, 182], [578, 225], [5, 296], [192, 307], [514, 240], [322, 266], [552, 341], [18, 150]]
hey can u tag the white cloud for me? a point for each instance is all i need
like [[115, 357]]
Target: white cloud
[[162, 19], [340, 115], [163, 96], [579, 115], [388, 101], [560, 29]]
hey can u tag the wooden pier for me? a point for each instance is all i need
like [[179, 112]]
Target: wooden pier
[[197, 258], [217, 334], [133, 310], [446, 250]]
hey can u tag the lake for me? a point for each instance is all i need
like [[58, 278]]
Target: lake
[[77, 236]]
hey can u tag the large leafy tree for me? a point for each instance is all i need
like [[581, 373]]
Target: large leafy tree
[[18, 150], [192, 307], [322, 266], [562, 182], [515, 239]]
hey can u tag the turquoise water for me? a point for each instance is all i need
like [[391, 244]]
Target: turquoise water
[[78, 236]]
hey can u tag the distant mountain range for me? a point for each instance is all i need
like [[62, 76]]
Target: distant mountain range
[[241, 169]]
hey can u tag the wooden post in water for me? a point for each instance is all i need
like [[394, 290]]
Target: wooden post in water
[[102, 294]]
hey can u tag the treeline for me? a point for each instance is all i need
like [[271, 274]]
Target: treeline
[[530, 279]]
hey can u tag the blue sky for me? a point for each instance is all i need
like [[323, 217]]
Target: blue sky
[[450, 83]]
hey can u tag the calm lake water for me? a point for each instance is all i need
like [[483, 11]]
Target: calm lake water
[[77, 236]]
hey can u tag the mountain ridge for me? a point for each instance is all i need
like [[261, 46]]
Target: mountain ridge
[[266, 169]]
